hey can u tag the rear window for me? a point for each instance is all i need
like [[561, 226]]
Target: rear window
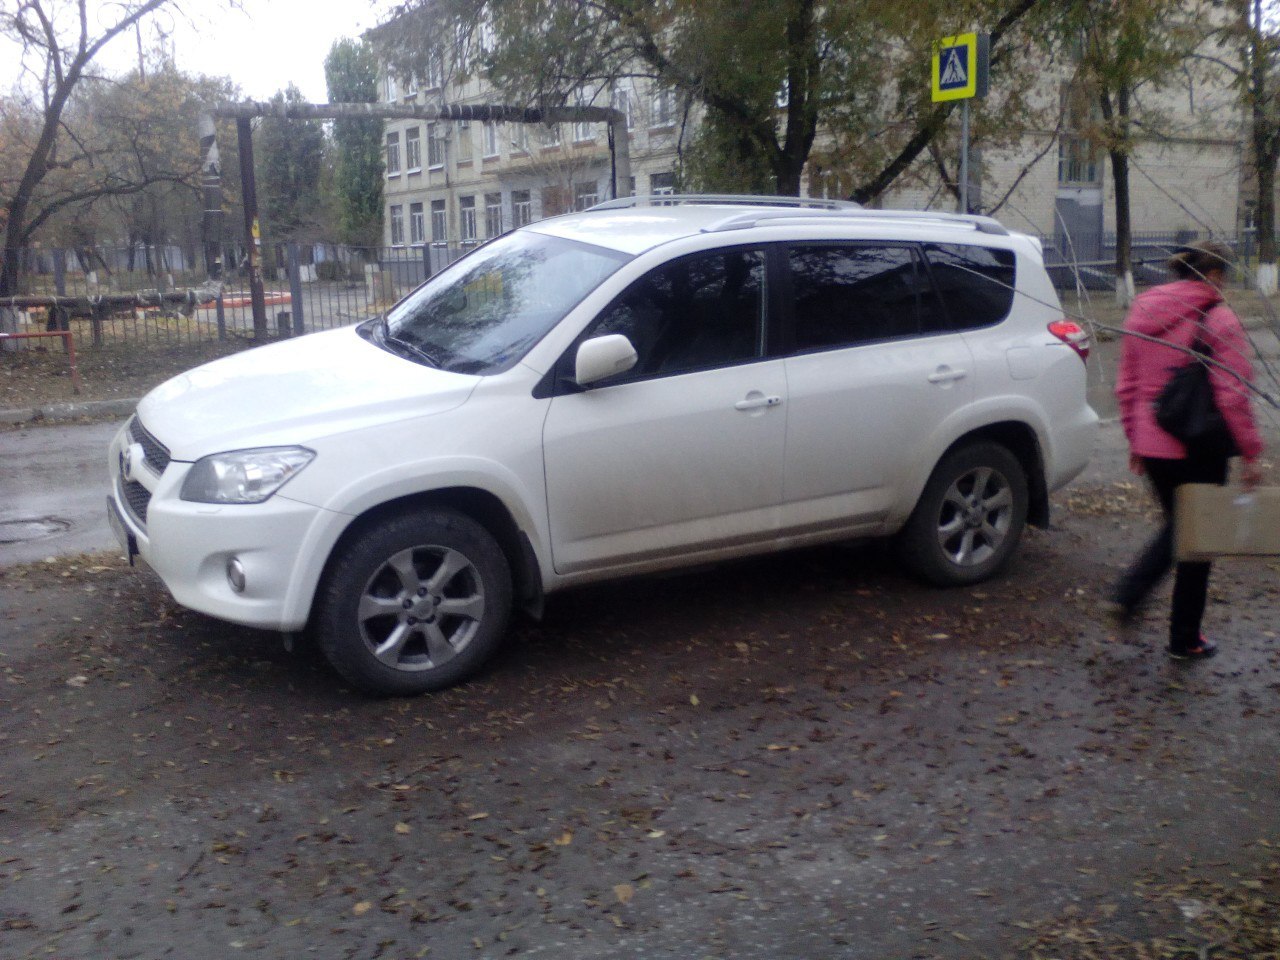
[[976, 283], [844, 295]]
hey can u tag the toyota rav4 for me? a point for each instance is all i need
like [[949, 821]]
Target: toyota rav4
[[647, 385]]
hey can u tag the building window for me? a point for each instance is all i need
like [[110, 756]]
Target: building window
[[664, 107], [393, 154], [662, 184], [582, 129], [585, 195], [490, 139], [556, 199], [492, 214], [435, 147], [1077, 162], [520, 138], [397, 226], [1077, 156], [521, 208], [392, 88], [549, 134], [467, 219], [413, 149], [622, 100], [464, 141], [439, 222], [411, 88], [461, 52], [435, 70], [417, 224]]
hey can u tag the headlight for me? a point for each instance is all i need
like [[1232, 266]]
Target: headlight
[[243, 476]]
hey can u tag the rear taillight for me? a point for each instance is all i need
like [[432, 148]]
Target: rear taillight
[[1073, 335]]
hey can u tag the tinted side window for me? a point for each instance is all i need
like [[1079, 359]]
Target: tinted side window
[[845, 294], [694, 313], [976, 283]]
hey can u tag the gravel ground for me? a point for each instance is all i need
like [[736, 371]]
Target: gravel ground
[[802, 756]]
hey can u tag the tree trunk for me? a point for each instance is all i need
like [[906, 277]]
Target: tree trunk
[[1116, 114], [1124, 228], [1265, 222], [789, 176], [9, 324], [1266, 154], [9, 269]]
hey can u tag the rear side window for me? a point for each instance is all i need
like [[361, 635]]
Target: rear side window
[[845, 294], [976, 283]]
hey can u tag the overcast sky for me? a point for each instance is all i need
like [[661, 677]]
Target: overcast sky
[[263, 47]]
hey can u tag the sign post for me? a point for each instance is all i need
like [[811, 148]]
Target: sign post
[[961, 68]]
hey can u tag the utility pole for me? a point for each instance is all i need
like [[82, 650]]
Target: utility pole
[[252, 229], [244, 113]]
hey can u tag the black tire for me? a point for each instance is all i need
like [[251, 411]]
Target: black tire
[[969, 518], [414, 602]]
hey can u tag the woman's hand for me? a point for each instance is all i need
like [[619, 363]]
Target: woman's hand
[[1135, 465]]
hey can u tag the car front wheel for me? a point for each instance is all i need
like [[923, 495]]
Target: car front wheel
[[969, 518], [413, 603]]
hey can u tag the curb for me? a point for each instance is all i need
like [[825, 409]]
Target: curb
[[71, 411]]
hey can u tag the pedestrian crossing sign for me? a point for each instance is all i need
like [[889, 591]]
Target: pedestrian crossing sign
[[960, 67]]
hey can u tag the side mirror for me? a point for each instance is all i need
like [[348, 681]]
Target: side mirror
[[602, 357]]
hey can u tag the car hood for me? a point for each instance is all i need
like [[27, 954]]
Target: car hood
[[294, 392]]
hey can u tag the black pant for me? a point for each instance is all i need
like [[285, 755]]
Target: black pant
[[1191, 582]]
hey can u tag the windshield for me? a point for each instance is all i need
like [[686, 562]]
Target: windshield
[[486, 311]]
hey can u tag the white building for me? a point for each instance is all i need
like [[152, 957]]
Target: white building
[[458, 183]]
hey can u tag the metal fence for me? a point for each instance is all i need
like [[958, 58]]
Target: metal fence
[[319, 286], [1089, 262], [307, 287]]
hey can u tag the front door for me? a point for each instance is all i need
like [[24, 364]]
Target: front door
[[682, 454]]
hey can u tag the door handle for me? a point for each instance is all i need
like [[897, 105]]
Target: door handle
[[756, 402], [946, 375]]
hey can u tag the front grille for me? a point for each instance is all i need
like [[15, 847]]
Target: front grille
[[137, 497], [156, 455], [155, 452]]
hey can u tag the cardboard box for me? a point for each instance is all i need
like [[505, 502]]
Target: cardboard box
[[1212, 522]]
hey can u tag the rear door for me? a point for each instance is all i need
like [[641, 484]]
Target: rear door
[[873, 371], [977, 286]]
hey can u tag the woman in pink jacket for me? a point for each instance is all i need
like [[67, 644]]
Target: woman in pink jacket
[[1180, 313]]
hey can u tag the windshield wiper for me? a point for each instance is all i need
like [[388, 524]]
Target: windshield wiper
[[407, 345]]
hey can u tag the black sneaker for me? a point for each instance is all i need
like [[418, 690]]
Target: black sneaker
[[1201, 651]]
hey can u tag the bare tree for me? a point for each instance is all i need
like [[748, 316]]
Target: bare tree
[[59, 42]]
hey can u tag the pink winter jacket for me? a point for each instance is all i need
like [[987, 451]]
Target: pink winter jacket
[[1174, 312]]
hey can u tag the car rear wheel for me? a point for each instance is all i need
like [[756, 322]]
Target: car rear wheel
[[415, 602], [969, 518]]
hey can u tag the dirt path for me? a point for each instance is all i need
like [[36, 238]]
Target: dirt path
[[804, 756]]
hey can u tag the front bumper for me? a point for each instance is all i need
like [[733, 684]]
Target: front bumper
[[281, 545]]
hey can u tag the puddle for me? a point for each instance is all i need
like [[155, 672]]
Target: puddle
[[27, 530]]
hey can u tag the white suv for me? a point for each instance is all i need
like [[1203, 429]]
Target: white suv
[[654, 383]]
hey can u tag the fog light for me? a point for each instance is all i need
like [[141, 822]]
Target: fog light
[[235, 575]]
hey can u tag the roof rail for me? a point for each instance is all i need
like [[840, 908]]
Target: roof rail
[[744, 221], [674, 199]]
